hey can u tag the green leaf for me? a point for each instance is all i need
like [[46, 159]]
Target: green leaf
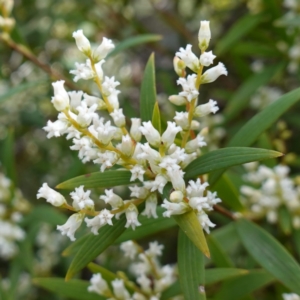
[[270, 254], [148, 91], [156, 117], [190, 268], [95, 245], [73, 289], [190, 225], [285, 221], [228, 193], [225, 158], [150, 226], [98, 180], [243, 94], [74, 247], [135, 41], [20, 88], [240, 28], [239, 287], [172, 291], [215, 275]]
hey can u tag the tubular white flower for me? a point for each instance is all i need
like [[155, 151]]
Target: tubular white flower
[[83, 44], [127, 146], [170, 133], [81, 199], [206, 109], [138, 192], [105, 47], [107, 159], [176, 177], [169, 164], [104, 131], [98, 285], [131, 216], [177, 100], [100, 220], [135, 129], [207, 58], [83, 71], [137, 173], [204, 35], [118, 117], [75, 99], [98, 68], [150, 208], [112, 199], [130, 249], [82, 145], [158, 184], [213, 73], [56, 128], [155, 249], [91, 100], [189, 58], [195, 144], [151, 134], [72, 224], [109, 85], [113, 99], [205, 221], [189, 89], [86, 114], [196, 188], [51, 196], [174, 208], [61, 98], [145, 284], [182, 119]]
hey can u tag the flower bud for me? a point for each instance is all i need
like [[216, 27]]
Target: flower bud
[[179, 66], [151, 134], [176, 196], [61, 98], [105, 47], [118, 117], [177, 100], [204, 35], [83, 44], [134, 130], [169, 135]]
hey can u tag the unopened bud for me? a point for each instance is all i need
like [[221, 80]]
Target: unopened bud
[[177, 100], [179, 66], [82, 42], [176, 196], [204, 35]]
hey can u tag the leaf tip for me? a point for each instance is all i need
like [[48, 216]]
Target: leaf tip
[[69, 275]]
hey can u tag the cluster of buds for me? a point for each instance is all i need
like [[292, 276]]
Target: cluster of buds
[[6, 23], [152, 278], [108, 142], [272, 189], [12, 207]]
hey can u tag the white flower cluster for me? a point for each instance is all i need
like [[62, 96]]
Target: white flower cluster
[[273, 189], [107, 142], [290, 296], [12, 205], [152, 278]]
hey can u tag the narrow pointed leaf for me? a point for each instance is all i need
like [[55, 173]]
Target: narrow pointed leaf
[[135, 41], [191, 269], [148, 91], [285, 220], [95, 245], [215, 275], [98, 180], [270, 254], [156, 117], [248, 134], [73, 289], [190, 225], [239, 287], [172, 291], [225, 158], [74, 247]]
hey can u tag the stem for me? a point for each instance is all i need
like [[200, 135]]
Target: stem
[[224, 212]]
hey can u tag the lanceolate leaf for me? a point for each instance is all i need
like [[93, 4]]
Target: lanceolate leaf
[[73, 289], [259, 123], [191, 269], [239, 287], [95, 245], [98, 180], [156, 117], [270, 254], [148, 91], [190, 225], [215, 275], [225, 158]]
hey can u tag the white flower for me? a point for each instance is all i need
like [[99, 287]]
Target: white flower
[[174, 208], [51, 196], [107, 159], [177, 100], [72, 224], [86, 114], [98, 285], [204, 35], [150, 208], [179, 66], [119, 289], [290, 296], [131, 216], [151, 134], [176, 177], [213, 73], [61, 98], [98, 68], [170, 133], [109, 85], [83, 71], [145, 284], [105, 131], [207, 58], [75, 99], [155, 249], [205, 221], [91, 100], [135, 129], [188, 85], [118, 117], [130, 249], [138, 192], [189, 58], [182, 119], [206, 109], [81, 199], [82, 42], [196, 188], [100, 220], [56, 128], [105, 47], [112, 199], [193, 145], [158, 184], [170, 164], [137, 173], [127, 146], [82, 145]]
